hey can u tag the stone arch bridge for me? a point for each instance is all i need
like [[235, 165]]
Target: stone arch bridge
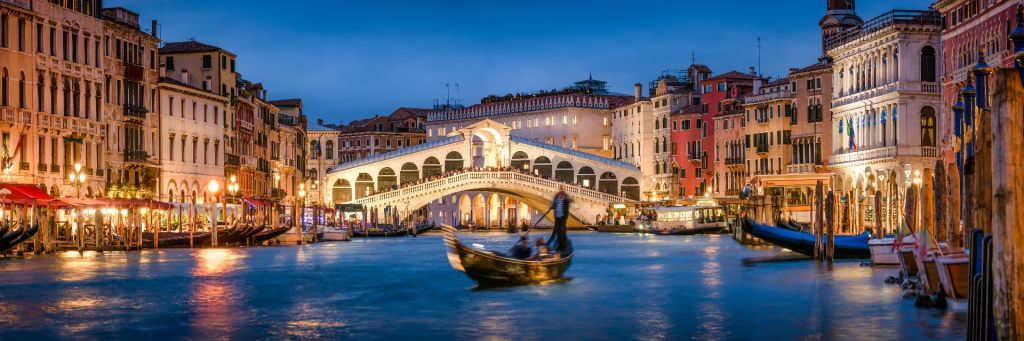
[[485, 157]]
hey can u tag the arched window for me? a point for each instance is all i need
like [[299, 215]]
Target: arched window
[[928, 64], [330, 150], [928, 127]]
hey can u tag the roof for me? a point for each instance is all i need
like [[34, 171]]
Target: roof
[[172, 81], [777, 82], [690, 109], [190, 46], [404, 112], [289, 102], [733, 75], [700, 68], [812, 67]]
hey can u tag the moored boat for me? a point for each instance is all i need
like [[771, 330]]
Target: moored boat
[[883, 252], [705, 217], [954, 275], [855, 246], [335, 234], [489, 268], [615, 228]]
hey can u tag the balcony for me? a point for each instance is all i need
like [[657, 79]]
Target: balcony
[[135, 111], [801, 168], [55, 168], [99, 171], [693, 156], [136, 156], [733, 161], [41, 168], [762, 149], [277, 193], [849, 96], [232, 160], [845, 156], [134, 72]]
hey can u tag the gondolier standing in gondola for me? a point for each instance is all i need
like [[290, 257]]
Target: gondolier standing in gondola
[[560, 209]]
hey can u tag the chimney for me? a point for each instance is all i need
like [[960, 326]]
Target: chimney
[[637, 91], [153, 28], [793, 69], [184, 76], [753, 71]]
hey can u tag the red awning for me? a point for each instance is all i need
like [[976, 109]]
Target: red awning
[[24, 194]]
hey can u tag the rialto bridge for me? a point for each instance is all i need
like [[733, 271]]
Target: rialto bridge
[[483, 174]]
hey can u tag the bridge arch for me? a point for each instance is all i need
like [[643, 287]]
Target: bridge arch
[[386, 179], [586, 177], [608, 183], [341, 191], [431, 167], [453, 161], [364, 185], [542, 167], [631, 188], [520, 160], [564, 172], [409, 173]]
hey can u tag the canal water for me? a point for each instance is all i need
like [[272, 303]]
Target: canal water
[[623, 286]]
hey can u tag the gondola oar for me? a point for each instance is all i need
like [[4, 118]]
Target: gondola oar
[[535, 223]]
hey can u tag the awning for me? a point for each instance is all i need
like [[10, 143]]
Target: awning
[[23, 194], [150, 203]]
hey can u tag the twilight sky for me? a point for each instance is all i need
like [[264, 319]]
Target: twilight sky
[[352, 59]]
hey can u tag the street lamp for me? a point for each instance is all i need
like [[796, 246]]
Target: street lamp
[[214, 188], [233, 187], [77, 178]]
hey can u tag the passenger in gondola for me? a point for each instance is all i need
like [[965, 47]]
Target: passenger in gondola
[[522, 249], [540, 252]]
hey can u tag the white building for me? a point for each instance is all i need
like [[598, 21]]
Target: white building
[[192, 126], [885, 99]]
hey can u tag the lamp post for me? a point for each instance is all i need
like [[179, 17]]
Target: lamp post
[[214, 188], [76, 178], [233, 190], [301, 210]]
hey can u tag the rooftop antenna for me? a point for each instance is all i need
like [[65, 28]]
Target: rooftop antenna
[[758, 55], [693, 58]]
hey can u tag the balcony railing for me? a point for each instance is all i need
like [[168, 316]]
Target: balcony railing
[[845, 156], [848, 96], [24, 166], [136, 156], [133, 71], [41, 167], [800, 168], [232, 160], [892, 18], [55, 168], [761, 149], [136, 111], [731, 161]]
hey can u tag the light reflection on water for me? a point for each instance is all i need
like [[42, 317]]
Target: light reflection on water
[[622, 286]]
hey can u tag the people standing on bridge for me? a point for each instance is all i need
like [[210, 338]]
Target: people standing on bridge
[[560, 209]]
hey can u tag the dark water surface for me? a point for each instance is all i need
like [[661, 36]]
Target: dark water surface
[[623, 287]]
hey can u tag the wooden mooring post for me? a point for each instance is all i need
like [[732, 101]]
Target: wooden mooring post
[[1007, 202]]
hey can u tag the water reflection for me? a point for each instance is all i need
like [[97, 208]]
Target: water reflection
[[624, 287]]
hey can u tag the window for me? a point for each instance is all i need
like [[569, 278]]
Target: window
[[928, 127], [224, 62], [927, 64], [722, 86], [3, 87], [207, 61], [39, 38], [21, 36], [3, 30], [53, 44], [169, 63]]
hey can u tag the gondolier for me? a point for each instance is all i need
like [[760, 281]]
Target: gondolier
[[560, 209]]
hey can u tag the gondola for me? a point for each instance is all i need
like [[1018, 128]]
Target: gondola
[[421, 229], [378, 232], [266, 235], [22, 235], [175, 239], [492, 269], [802, 242]]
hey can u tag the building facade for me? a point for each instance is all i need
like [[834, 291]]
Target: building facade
[[885, 100], [970, 28], [812, 118], [192, 125], [768, 115], [719, 95]]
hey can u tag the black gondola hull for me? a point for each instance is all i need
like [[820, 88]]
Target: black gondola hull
[[489, 269]]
